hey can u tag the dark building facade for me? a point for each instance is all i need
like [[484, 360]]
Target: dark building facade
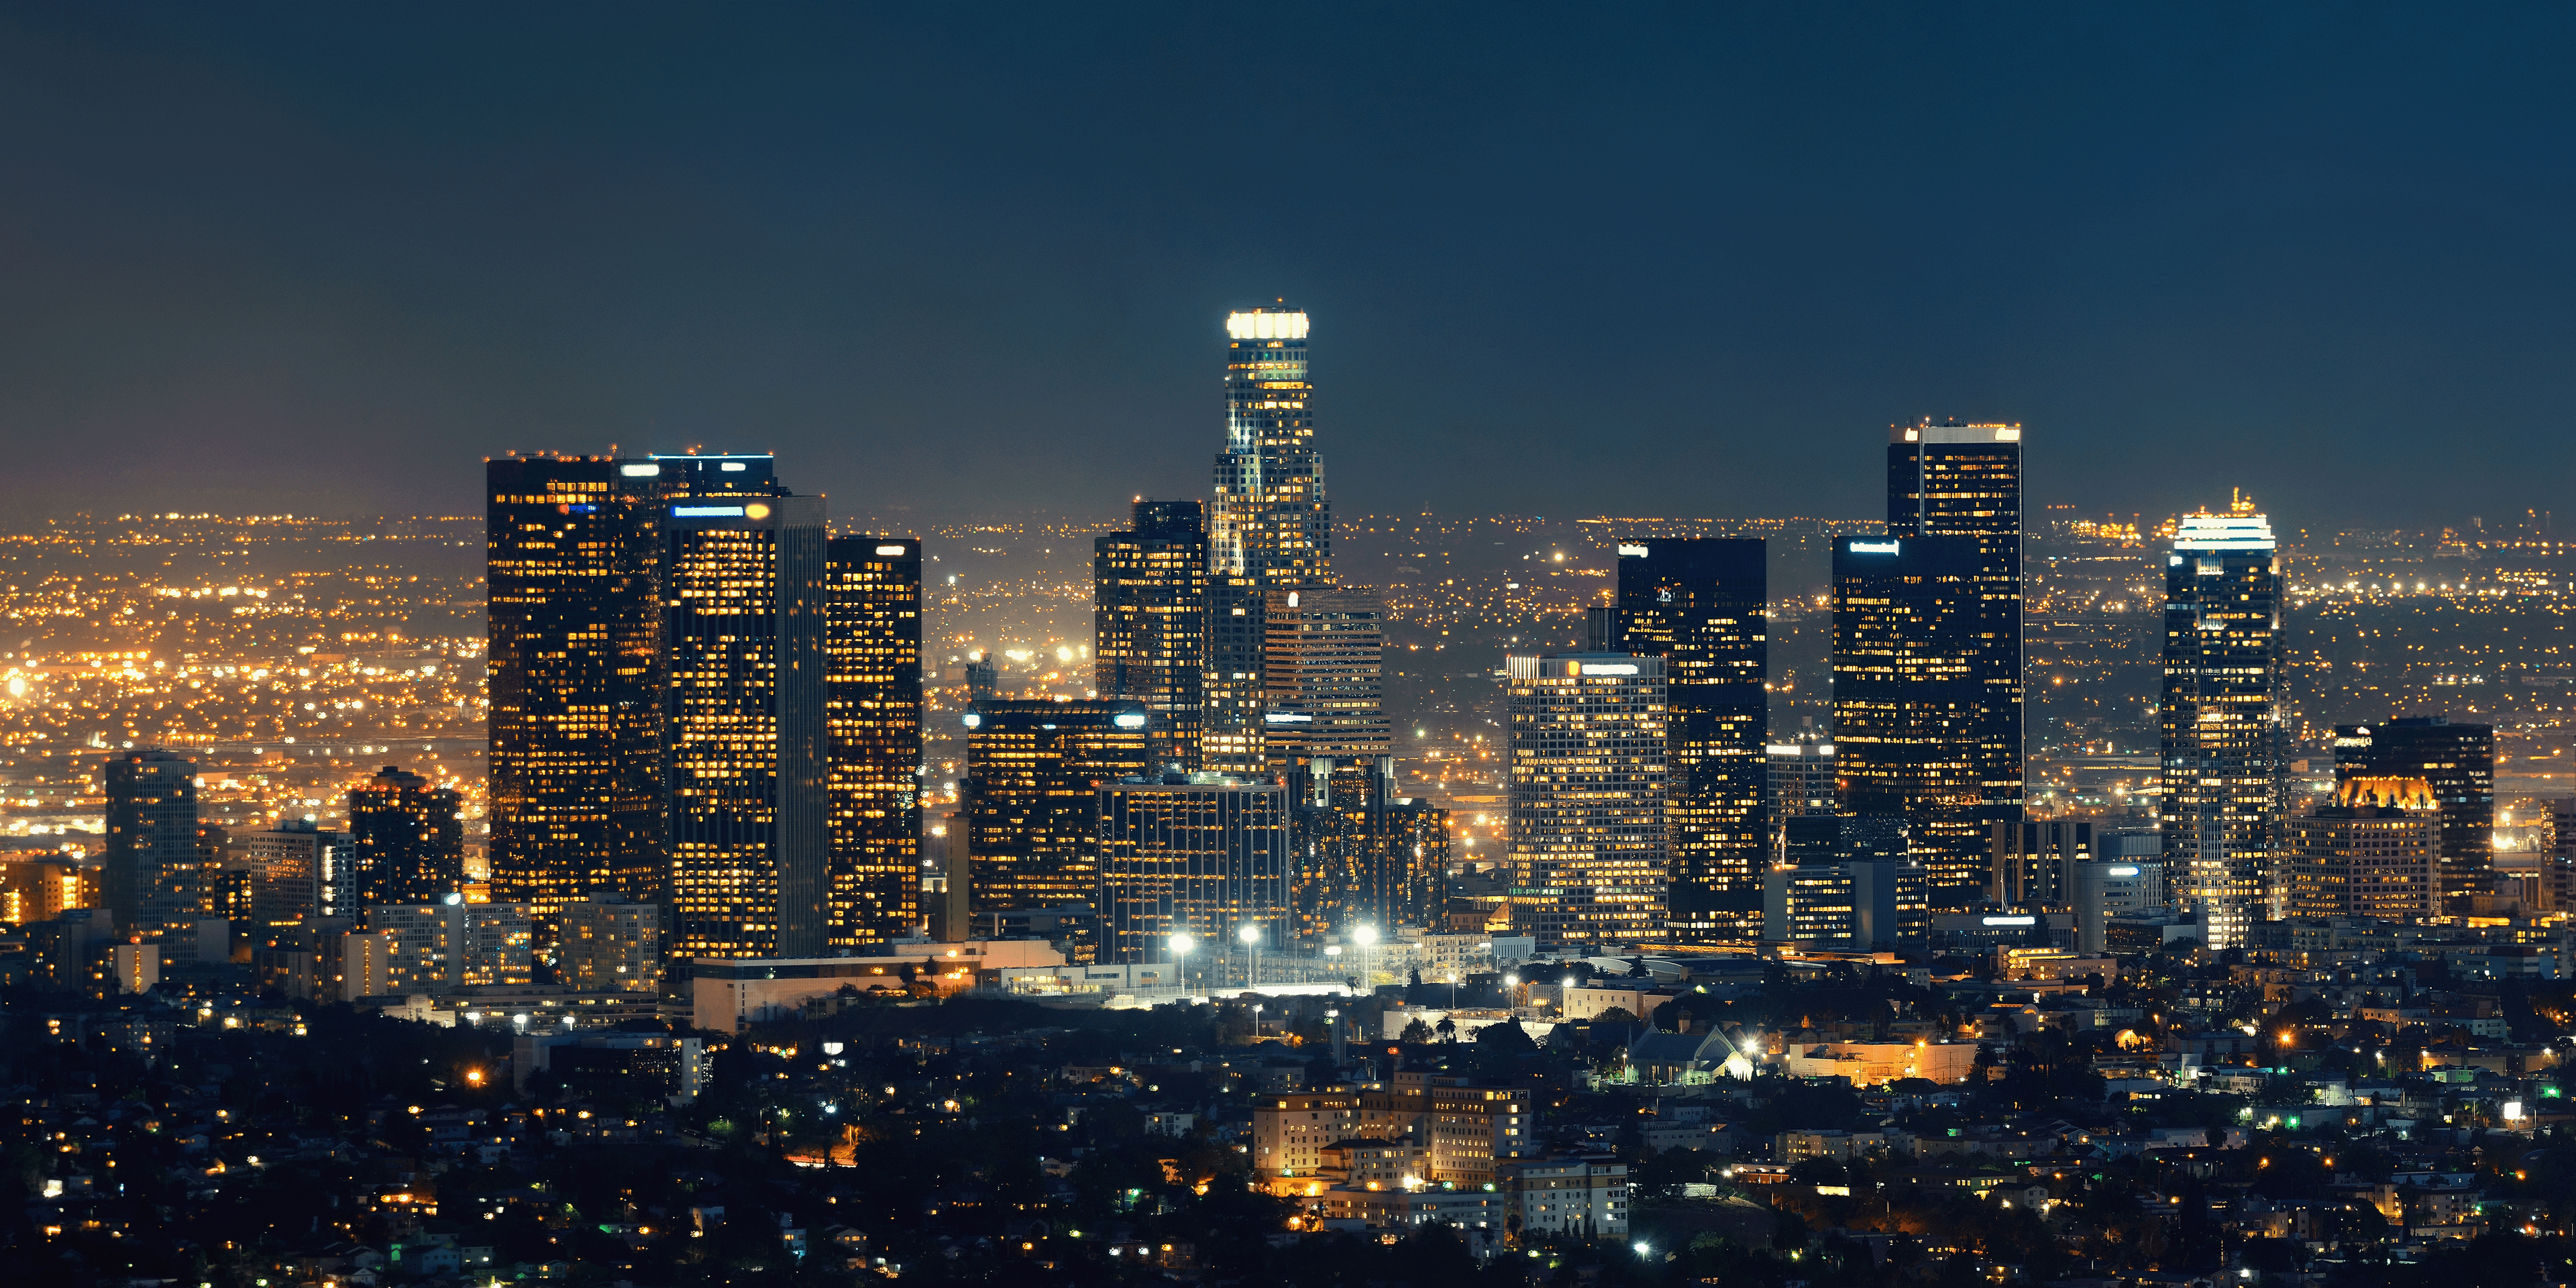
[[872, 718], [1910, 702], [744, 567], [1962, 481], [151, 878], [1033, 771], [573, 551], [1150, 622], [2457, 761], [1361, 854], [1702, 606], [406, 839]]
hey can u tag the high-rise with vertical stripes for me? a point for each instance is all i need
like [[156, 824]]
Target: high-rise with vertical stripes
[[1270, 528], [2223, 718]]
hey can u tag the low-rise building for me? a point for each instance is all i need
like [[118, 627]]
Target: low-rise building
[[1585, 1197]]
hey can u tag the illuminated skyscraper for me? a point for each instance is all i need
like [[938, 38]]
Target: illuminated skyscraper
[[1150, 623], [2222, 717], [406, 839], [2457, 764], [872, 716], [2373, 853], [1955, 480], [152, 863], [1702, 607], [1590, 848], [1198, 853], [1364, 856], [1271, 528], [1909, 702], [576, 680], [1323, 674], [1033, 769], [744, 566]]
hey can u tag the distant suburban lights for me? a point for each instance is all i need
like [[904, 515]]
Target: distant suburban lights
[[706, 512]]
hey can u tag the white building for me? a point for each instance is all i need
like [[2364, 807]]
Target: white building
[[1584, 1198]]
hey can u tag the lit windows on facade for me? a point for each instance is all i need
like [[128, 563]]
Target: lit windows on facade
[[872, 715], [1590, 847], [2222, 716]]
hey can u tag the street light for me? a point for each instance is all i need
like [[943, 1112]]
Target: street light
[[1365, 936], [1181, 944], [1250, 934]]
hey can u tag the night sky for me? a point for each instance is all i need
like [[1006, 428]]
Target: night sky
[[1685, 260]]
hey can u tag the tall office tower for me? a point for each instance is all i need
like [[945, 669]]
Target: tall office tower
[[406, 838], [1150, 622], [152, 865], [2457, 761], [1323, 674], [1909, 627], [2375, 852], [573, 545], [1590, 850], [1801, 778], [1270, 529], [1955, 480], [2034, 862], [872, 716], [1033, 771], [610, 945], [2222, 715], [1203, 854], [1364, 856], [1702, 606], [744, 571]]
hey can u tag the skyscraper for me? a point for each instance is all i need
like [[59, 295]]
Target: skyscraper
[[1199, 853], [1909, 703], [1150, 622], [2222, 719], [1323, 676], [1270, 529], [1959, 480], [1590, 849], [1033, 770], [1702, 607], [872, 718], [573, 545], [2374, 852], [1363, 856], [406, 839], [750, 839], [2457, 764], [152, 865]]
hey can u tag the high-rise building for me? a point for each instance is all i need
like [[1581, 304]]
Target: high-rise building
[[406, 839], [37, 885], [1801, 778], [1030, 796], [2375, 852], [1204, 854], [2113, 887], [1964, 481], [872, 716], [1150, 622], [152, 863], [610, 945], [1702, 606], [750, 838], [576, 680], [1590, 851], [2034, 861], [1323, 673], [1270, 528], [445, 944], [2457, 763], [2222, 716], [298, 873], [1363, 856], [1909, 702]]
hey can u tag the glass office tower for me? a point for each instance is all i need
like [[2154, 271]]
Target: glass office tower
[[1590, 849], [1202, 854], [151, 874], [872, 720], [750, 836], [1910, 702], [1323, 673], [2457, 762], [1149, 622], [1033, 768], [1949, 479], [1270, 529], [572, 575], [1702, 606], [2222, 720]]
